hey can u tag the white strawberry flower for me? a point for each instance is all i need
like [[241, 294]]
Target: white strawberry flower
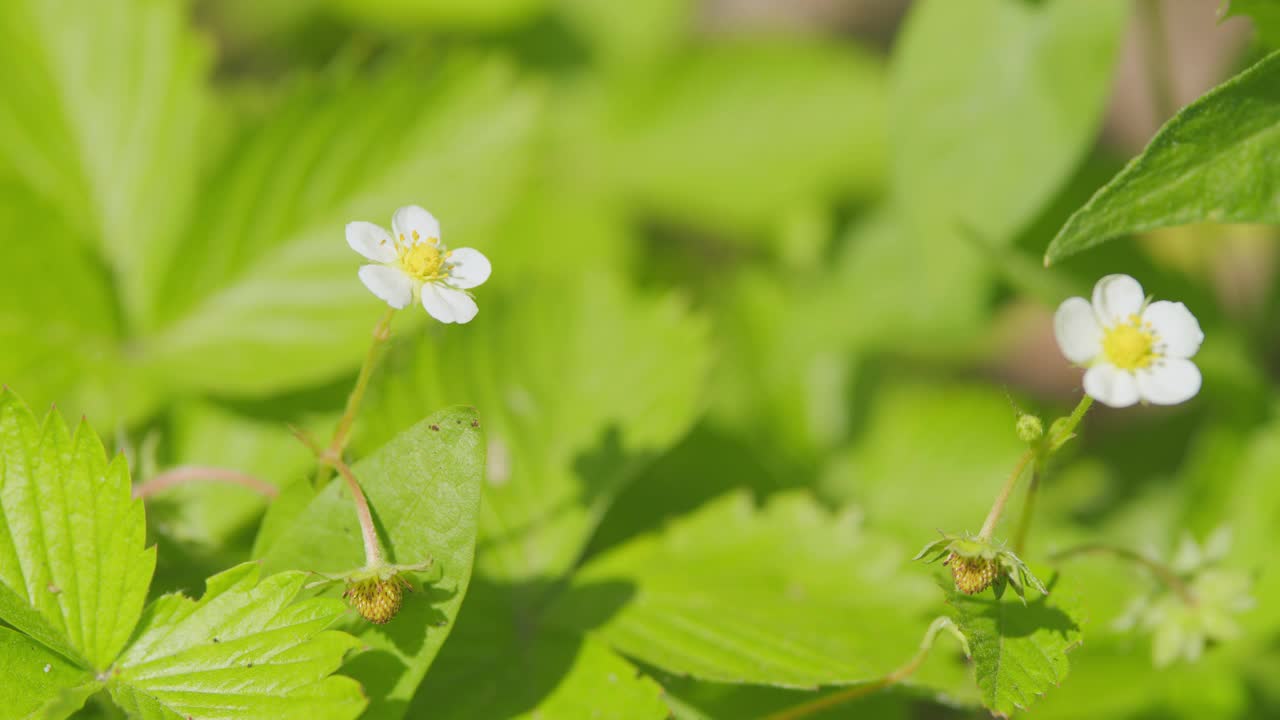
[[1135, 350], [410, 263]]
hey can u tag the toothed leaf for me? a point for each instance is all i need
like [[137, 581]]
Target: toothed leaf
[[1019, 649], [244, 651], [73, 568]]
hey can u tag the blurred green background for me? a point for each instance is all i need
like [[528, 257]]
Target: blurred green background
[[736, 244]]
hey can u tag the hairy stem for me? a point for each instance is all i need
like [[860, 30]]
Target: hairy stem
[[1159, 569], [195, 473], [1028, 509], [331, 456], [369, 533], [381, 332], [1073, 421], [997, 508], [1043, 450]]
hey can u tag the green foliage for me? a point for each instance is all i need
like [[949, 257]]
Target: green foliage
[[738, 594], [424, 489], [1191, 171], [100, 140], [74, 574], [38, 682], [75, 577], [767, 305], [244, 650], [1265, 15], [270, 300], [685, 141], [970, 153], [960, 433], [566, 429], [1019, 650]]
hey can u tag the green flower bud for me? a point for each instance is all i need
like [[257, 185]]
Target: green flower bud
[[1030, 428]]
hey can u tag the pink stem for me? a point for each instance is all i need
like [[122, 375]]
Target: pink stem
[[195, 473]]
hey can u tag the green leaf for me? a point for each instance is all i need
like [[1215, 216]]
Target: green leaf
[[792, 359], [782, 595], [545, 672], [578, 384], [686, 140], [243, 651], [994, 102], [1213, 162], [991, 106], [108, 118], [642, 35], [397, 15], [955, 441], [264, 296], [58, 321], [73, 568], [1265, 15], [423, 487], [1113, 678], [37, 683], [1019, 650]]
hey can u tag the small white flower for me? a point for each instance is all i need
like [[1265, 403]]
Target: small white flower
[[1134, 349], [410, 263]]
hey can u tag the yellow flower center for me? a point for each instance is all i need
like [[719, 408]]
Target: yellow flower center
[[421, 260], [1130, 345]]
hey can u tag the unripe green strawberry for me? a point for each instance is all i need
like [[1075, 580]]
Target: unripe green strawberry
[[376, 600], [972, 574]]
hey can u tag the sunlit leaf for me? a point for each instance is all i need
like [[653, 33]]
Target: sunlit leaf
[[578, 385], [688, 141], [1213, 162], [73, 569], [1019, 650], [991, 106], [242, 651], [772, 596], [37, 683], [423, 487], [265, 295], [108, 117]]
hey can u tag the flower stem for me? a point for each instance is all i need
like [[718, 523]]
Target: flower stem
[[1028, 507], [369, 533], [195, 473], [1073, 421], [997, 508], [853, 693], [1162, 571], [1046, 447], [331, 456], [381, 332]]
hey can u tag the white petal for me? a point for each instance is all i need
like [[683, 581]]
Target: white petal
[[1115, 298], [410, 219], [469, 268], [1110, 385], [1169, 381], [371, 241], [389, 284], [1177, 332], [1077, 330], [448, 305]]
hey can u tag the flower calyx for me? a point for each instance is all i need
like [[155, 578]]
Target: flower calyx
[[978, 563], [377, 591]]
